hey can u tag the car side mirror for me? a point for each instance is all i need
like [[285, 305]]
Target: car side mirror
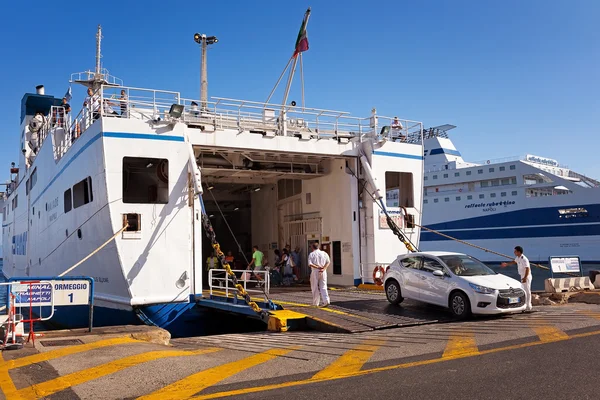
[[438, 273]]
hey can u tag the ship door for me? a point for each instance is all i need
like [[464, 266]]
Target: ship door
[[196, 228], [303, 233]]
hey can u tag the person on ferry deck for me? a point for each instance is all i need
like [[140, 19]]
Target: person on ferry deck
[[397, 130], [123, 101], [318, 261], [92, 102], [296, 266], [212, 262], [524, 269], [60, 113]]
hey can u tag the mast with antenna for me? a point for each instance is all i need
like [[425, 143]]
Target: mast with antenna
[[99, 76], [98, 53]]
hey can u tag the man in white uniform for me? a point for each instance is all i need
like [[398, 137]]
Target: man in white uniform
[[525, 272], [318, 261]]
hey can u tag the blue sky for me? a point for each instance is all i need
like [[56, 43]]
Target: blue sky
[[516, 77]]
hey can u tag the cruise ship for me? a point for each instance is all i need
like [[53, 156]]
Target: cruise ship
[[530, 201], [134, 163]]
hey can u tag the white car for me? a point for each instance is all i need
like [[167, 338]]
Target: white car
[[453, 280]]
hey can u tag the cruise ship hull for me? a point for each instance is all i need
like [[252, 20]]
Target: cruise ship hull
[[491, 207]]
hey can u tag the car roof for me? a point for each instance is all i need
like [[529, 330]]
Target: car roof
[[434, 253]]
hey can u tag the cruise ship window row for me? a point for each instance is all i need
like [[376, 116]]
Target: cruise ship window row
[[470, 197], [469, 172]]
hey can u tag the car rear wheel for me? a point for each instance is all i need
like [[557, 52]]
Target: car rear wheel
[[392, 292], [460, 305]]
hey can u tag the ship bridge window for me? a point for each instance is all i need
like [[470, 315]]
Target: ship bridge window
[[491, 169], [425, 178], [445, 175], [468, 172], [502, 168], [145, 180], [480, 171], [513, 167], [402, 184], [15, 202], [572, 212], [457, 174], [82, 192]]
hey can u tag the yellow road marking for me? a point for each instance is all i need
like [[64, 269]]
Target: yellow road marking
[[387, 368], [187, 387], [50, 355], [549, 333], [6, 383], [351, 361], [460, 343], [76, 378]]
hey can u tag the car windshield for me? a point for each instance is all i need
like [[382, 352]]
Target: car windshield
[[463, 265]]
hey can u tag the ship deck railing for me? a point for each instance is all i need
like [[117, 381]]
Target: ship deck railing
[[153, 106]]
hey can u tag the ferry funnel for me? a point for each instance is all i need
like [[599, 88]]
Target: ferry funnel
[[39, 89]]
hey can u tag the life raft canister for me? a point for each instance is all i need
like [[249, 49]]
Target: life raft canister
[[378, 273]]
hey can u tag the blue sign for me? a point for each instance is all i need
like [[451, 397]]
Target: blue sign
[[37, 294]]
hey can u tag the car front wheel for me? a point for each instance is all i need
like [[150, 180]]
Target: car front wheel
[[392, 292], [460, 305]]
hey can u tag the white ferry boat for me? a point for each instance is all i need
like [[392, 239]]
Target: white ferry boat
[[530, 201], [280, 174]]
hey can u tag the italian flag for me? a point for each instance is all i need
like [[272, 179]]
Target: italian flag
[[302, 41]]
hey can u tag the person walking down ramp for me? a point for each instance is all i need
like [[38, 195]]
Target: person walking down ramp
[[318, 261], [525, 272]]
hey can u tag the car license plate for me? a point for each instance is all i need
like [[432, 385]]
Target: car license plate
[[513, 300]]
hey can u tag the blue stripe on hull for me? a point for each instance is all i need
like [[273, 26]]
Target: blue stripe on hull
[[520, 218], [180, 319], [512, 233]]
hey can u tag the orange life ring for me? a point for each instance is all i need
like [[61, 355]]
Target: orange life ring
[[378, 273], [488, 162]]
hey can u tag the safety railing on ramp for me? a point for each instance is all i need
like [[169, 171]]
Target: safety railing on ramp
[[254, 282]]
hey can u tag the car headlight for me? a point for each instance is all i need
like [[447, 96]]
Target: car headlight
[[481, 289]]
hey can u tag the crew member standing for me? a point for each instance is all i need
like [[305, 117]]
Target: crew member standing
[[318, 261], [525, 272]]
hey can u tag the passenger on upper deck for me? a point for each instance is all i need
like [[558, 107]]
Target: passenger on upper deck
[[58, 119], [123, 100], [108, 109], [92, 102], [397, 130]]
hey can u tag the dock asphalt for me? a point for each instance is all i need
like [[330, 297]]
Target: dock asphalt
[[550, 353]]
